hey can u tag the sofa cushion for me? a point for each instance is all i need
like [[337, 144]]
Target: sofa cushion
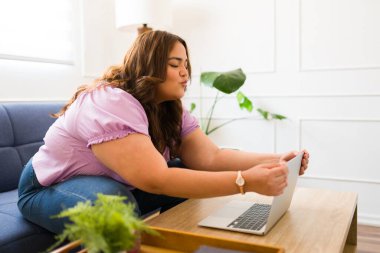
[[16, 233], [10, 168], [6, 133], [29, 129], [22, 129]]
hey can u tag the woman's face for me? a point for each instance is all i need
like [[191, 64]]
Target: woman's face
[[177, 75]]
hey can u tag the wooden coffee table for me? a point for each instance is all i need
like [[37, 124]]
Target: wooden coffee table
[[317, 221]]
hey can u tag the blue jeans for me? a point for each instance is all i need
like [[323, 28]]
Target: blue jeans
[[39, 203]]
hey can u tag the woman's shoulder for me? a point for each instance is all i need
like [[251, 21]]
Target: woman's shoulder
[[109, 96], [107, 100]]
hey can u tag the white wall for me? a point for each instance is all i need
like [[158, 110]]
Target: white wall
[[316, 61]]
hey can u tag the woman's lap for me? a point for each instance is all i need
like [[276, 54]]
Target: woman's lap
[[38, 203]]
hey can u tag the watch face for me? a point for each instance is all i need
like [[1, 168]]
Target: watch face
[[240, 181]]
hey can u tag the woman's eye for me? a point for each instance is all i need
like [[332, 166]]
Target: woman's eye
[[173, 65]]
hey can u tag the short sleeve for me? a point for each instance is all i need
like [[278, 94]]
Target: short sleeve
[[189, 123], [110, 113]]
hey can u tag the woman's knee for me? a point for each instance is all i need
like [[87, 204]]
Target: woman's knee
[[49, 201]]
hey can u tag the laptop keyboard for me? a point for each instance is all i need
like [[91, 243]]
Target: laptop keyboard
[[253, 219]]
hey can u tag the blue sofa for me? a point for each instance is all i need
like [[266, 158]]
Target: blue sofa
[[22, 128]]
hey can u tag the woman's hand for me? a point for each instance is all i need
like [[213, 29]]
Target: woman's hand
[[305, 159], [267, 179]]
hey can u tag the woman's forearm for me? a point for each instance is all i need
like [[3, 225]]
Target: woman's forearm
[[188, 183], [268, 179], [229, 159]]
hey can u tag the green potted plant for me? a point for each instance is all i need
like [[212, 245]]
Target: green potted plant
[[228, 83], [108, 225]]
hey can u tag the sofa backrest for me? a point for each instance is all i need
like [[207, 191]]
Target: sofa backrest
[[22, 129]]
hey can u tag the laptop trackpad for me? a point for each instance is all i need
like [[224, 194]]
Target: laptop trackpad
[[228, 213]]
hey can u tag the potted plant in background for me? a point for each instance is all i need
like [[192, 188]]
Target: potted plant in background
[[228, 83], [108, 225]]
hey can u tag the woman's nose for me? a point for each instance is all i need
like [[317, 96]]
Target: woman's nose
[[183, 72]]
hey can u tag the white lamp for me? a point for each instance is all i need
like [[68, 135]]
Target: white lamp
[[138, 14]]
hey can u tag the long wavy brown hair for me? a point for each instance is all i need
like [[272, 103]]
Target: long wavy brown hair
[[144, 67]]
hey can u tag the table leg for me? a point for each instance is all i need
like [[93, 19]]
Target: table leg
[[352, 233]]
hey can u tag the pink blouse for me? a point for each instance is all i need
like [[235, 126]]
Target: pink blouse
[[101, 115]]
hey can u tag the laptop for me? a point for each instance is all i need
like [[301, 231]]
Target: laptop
[[256, 218]]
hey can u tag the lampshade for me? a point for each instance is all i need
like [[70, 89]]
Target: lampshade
[[131, 14]]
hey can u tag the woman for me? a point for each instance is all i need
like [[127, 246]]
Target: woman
[[117, 135]]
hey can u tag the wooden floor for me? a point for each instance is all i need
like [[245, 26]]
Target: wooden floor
[[368, 240]]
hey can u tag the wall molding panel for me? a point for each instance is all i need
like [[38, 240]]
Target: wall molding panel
[[301, 120], [343, 33], [352, 168], [338, 68], [256, 54], [271, 138], [341, 179]]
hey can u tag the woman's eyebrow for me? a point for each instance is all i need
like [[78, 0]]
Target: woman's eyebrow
[[176, 58]]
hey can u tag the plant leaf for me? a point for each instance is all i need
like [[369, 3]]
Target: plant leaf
[[226, 82], [240, 96], [278, 116], [231, 81], [263, 113], [244, 102], [208, 78], [192, 107]]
